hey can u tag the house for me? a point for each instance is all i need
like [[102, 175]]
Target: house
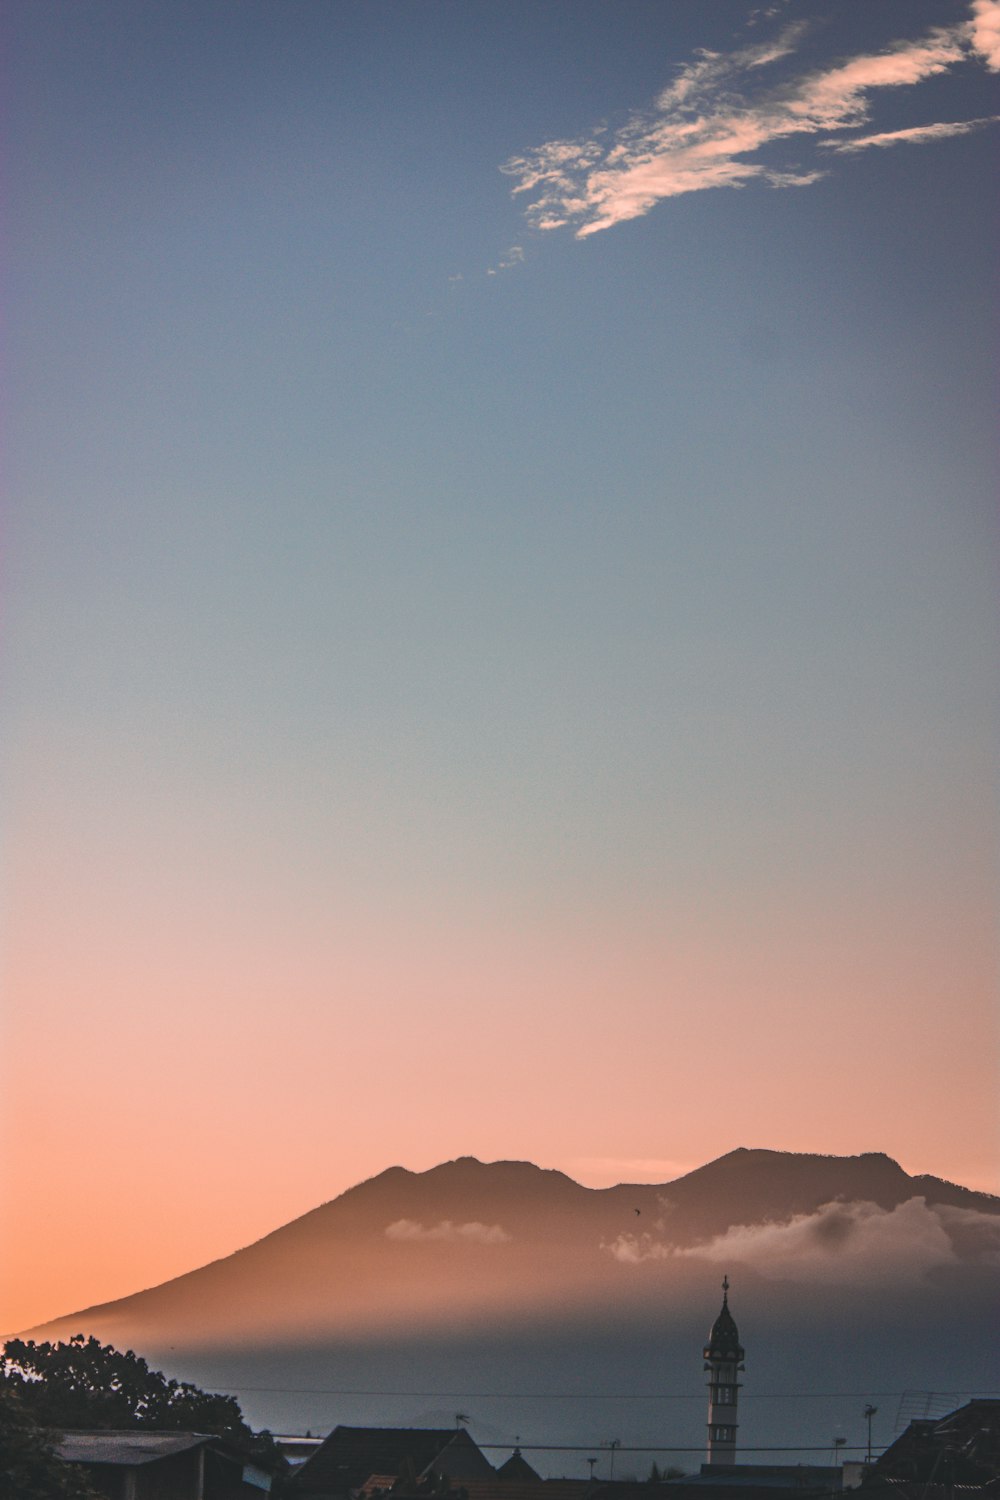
[[139, 1465], [962, 1448], [355, 1461], [955, 1457], [517, 1470]]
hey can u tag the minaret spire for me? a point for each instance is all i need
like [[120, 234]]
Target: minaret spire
[[724, 1356]]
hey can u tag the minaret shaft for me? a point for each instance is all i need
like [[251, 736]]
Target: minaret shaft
[[724, 1362]]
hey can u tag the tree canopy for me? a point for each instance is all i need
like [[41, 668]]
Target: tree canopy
[[87, 1384]]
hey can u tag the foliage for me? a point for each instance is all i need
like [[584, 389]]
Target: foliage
[[658, 1475], [29, 1470], [86, 1384]]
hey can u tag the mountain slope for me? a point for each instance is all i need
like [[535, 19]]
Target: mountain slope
[[469, 1243]]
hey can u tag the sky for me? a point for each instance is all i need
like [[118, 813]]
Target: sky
[[499, 602]]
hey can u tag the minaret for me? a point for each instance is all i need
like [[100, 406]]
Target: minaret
[[724, 1362]]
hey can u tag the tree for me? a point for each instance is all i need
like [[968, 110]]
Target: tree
[[29, 1470], [88, 1384], [658, 1475]]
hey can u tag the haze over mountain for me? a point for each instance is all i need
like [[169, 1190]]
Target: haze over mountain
[[849, 1275]]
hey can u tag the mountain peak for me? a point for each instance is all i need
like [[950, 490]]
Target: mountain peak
[[467, 1239]]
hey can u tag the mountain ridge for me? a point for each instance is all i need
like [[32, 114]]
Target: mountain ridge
[[426, 1244]]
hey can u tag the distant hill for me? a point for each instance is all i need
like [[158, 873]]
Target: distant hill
[[846, 1270]]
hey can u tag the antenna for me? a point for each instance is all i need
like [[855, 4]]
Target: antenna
[[868, 1413]]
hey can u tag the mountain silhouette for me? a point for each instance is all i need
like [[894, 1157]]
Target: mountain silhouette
[[468, 1243]]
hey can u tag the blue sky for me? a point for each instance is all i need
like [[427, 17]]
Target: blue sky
[[461, 586]]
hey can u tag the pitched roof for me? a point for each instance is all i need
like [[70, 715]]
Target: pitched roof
[[127, 1448], [517, 1468], [351, 1455], [960, 1448]]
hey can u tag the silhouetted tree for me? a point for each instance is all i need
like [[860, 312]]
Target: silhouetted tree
[[29, 1470], [658, 1475], [85, 1383]]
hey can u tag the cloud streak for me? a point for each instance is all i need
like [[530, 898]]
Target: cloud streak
[[710, 126], [473, 1233], [913, 136]]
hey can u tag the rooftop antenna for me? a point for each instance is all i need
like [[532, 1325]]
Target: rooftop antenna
[[869, 1412]]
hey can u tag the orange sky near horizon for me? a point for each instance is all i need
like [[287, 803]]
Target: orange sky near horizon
[[152, 1138]]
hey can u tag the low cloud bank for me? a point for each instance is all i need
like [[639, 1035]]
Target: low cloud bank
[[473, 1233], [841, 1242]]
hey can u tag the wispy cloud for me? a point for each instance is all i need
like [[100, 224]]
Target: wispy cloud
[[510, 258], [840, 1243], [633, 1249], [472, 1233], [711, 124], [985, 31], [914, 136]]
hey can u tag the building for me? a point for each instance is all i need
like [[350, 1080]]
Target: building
[[136, 1465], [938, 1458], [517, 1470], [356, 1461], [724, 1356]]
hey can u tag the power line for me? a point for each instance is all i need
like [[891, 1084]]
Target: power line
[[301, 1390], [668, 1448]]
